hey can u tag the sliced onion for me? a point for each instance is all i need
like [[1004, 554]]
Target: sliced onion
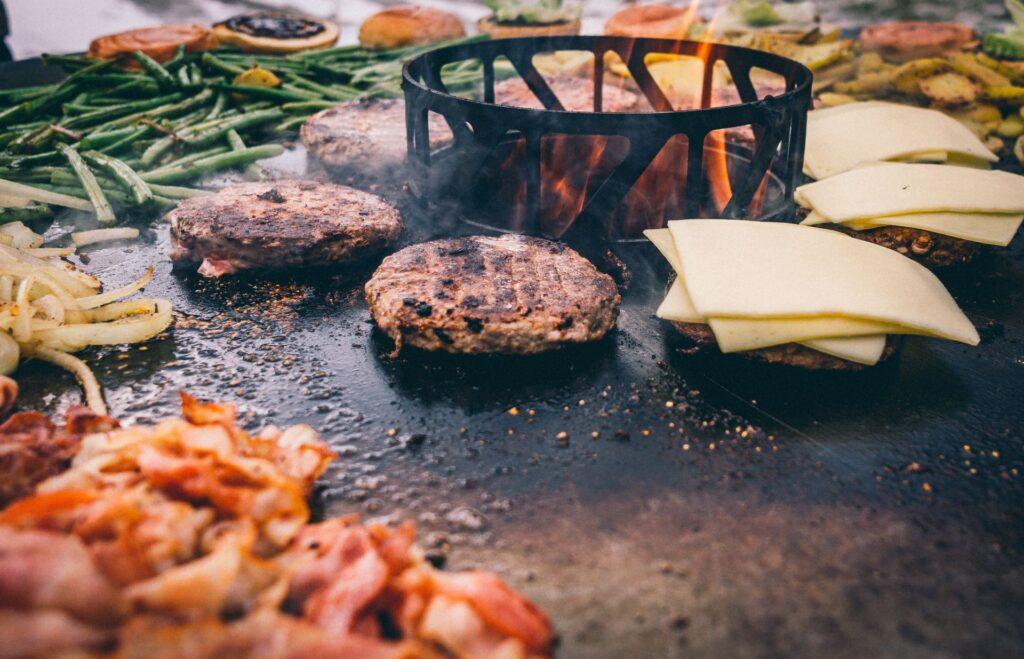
[[93, 301], [93, 395], [21, 235], [10, 353], [82, 238], [128, 330], [46, 196]]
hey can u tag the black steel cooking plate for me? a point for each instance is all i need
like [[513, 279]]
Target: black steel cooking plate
[[721, 509]]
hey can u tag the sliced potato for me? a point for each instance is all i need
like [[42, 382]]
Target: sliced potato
[[949, 89], [907, 78], [870, 63], [1018, 149], [985, 112], [1006, 94], [869, 83], [832, 99], [969, 65], [1012, 126]]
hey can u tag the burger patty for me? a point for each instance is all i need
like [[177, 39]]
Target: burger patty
[[511, 294], [576, 94], [932, 250], [701, 338], [365, 135], [280, 224]]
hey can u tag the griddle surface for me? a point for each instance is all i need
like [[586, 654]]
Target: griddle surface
[[691, 507]]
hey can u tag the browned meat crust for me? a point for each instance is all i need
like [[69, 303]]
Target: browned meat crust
[[511, 294], [576, 94], [33, 448], [702, 339], [932, 250], [365, 135], [282, 224]]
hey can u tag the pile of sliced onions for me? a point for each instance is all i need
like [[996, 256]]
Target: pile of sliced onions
[[49, 309]]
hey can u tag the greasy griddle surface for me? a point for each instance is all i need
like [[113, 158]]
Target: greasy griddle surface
[[653, 504]]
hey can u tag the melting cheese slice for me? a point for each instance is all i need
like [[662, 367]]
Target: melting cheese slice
[[741, 269], [739, 334], [856, 340], [842, 137], [861, 349], [903, 189], [976, 227]]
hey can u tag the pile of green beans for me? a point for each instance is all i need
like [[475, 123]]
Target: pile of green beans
[[125, 138]]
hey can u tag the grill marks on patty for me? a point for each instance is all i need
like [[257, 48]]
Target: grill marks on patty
[[281, 224], [479, 294]]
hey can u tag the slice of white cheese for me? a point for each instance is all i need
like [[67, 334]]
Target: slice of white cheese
[[902, 189], [986, 228], [739, 334], [865, 350], [744, 269], [662, 239], [978, 227], [677, 305], [840, 138]]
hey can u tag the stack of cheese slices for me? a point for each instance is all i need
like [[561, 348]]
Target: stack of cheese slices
[[763, 284], [843, 137], [983, 206]]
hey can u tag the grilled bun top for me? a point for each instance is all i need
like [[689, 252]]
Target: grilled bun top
[[409, 25], [159, 42], [274, 32]]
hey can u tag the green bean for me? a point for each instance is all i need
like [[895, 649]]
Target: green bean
[[176, 192], [252, 170], [321, 90], [104, 212], [213, 163], [305, 107], [267, 92], [210, 134], [131, 111], [164, 79], [28, 213], [98, 139], [220, 65], [218, 106], [123, 174], [131, 138]]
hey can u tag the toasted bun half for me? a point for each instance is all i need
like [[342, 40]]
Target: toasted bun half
[[274, 33], [653, 21], [514, 30], [159, 42], [409, 25]]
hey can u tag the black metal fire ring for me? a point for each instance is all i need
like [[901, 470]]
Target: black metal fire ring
[[479, 127]]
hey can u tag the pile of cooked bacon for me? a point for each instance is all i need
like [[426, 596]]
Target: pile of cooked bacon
[[190, 538]]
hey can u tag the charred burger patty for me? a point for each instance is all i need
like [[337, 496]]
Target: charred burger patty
[[511, 294], [700, 337], [280, 224], [365, 135]]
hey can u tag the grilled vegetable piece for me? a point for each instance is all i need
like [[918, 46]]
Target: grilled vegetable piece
[[1009, 45], [1006, 94], [969, 65], [949, 89], [257, 77], [907, 78]]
